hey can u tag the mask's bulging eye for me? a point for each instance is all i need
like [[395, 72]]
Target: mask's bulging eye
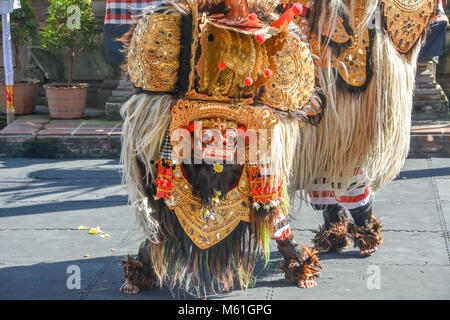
[[206, 137], [230, 138]]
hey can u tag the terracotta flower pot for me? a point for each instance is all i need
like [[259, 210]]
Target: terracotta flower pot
[[65, 102], [24, 97]]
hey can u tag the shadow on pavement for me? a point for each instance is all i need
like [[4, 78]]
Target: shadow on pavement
[[100, 278], [51, 207], [424, 173]]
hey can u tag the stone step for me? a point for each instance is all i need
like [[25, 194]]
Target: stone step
[[428, 91], [426, 85], [430, 138], [430, 97], [32, 136], [430, 109]]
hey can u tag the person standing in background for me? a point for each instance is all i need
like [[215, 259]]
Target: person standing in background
[[118, 19]]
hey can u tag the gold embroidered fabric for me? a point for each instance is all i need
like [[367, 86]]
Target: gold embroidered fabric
[[266, 6], [242, 56], [406, 20], [306, 3], [354, 56], [292, 83], [153, 55], [207, 227], [338, 34]]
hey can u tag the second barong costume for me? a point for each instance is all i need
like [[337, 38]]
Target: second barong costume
[[209, 144], [367, 55]]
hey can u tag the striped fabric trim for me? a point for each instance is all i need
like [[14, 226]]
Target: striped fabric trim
[[349, 200], [166, 147], [324, 194], [123, 11], [357, 204], [281, 229]]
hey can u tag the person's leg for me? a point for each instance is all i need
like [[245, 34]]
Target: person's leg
[[366, 229], [301, 264], [138, 273], [332, 235]]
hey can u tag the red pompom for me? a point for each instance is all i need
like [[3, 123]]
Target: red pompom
[[221, 65], [252, 16], [248, 81], [192, 126], [260, 38], [241, 130], [268, 72], [298, 9]]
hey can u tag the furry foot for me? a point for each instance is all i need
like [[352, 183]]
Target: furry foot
[[300, 266], [367, 239], [331, 240], [368, 251], [129, 288], [307, 284], [138, 276]]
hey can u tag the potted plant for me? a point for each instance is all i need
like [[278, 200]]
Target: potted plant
[[70, 29], [23, 29]]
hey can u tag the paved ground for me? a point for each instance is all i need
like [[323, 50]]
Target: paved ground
[[42, 203]]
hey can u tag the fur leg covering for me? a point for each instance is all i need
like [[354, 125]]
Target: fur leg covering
[[366, 237], [333, 235], [333, 239], [139, 271], [300, 264]]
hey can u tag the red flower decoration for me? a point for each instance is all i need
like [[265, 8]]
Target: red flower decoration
[[260, 38], [298, 9]]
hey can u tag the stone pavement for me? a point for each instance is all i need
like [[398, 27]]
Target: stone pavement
[[42, 203]]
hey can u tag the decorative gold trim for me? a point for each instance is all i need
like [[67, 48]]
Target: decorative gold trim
[[406, 20], [354, 56], [306, 3], [292, 84], [207, 227], [153, 55], [186, 111], [351, 62]]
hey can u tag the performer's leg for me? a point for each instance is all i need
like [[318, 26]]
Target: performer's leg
[[332, 235], [301, 264], [366, 229], [138, 273]]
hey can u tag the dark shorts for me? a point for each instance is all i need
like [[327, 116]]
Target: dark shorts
[[435, 43], [113, 48]]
